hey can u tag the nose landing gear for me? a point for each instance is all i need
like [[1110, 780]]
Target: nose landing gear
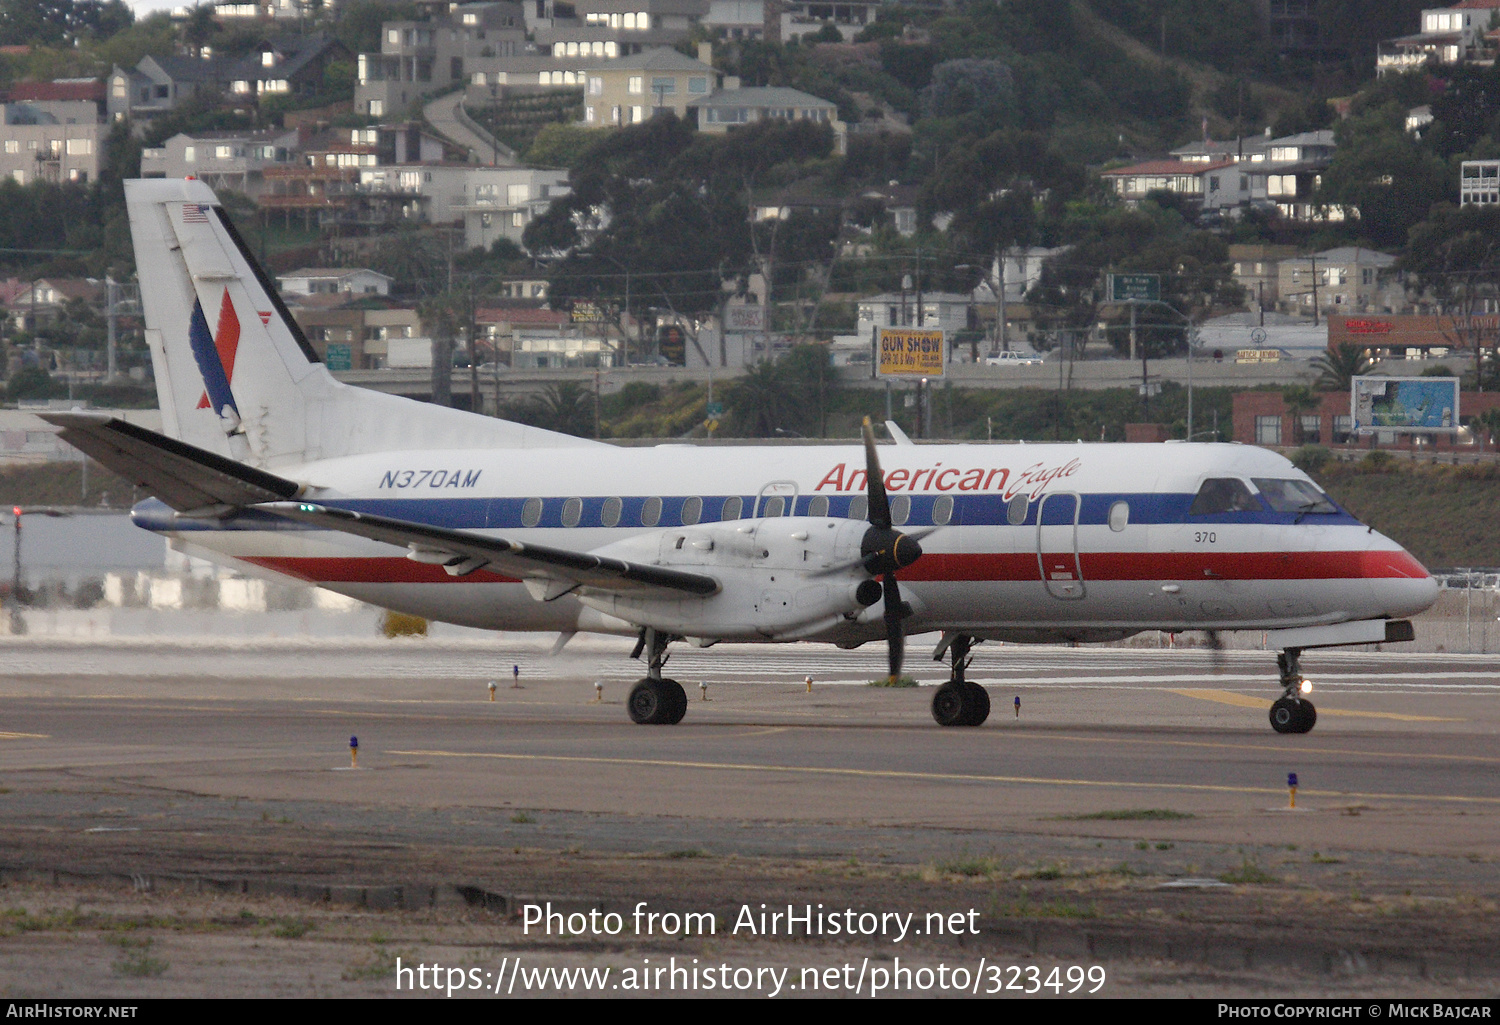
[[959, 702], [655, 700], [1292, 713]]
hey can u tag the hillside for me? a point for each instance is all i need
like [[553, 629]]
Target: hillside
[[1445, 516]]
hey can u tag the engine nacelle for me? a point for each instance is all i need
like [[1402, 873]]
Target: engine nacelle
[[774, 577]]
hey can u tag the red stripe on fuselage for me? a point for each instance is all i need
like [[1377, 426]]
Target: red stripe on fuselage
[[940, 567]]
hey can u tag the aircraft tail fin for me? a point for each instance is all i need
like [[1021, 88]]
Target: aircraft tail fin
[[234, 373]]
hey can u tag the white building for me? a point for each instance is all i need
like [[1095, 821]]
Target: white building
[[1479, 182], [334, 281], [947, 310]]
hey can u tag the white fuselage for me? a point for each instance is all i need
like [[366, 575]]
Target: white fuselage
[[1069, 562]]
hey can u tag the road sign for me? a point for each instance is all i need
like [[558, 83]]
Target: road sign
[[1420, 405], [1125, 287], [586, 311], [912, 352], [339, 357], [715, 411]]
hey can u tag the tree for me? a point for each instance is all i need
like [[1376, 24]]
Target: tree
[[1455, 255], [1299, 400], [1337, 367]]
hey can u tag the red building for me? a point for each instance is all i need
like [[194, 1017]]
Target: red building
[[1261, 418]]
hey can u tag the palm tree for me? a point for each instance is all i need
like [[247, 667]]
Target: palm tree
[[567, 407], [1299, 400], [1339, 366]]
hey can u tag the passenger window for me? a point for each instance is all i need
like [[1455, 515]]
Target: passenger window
[[651, 512], [900, 509], [1223, 495], [942, 510], [609, 516], [1294, 496], [531, 512], [859, 507], [818, 506], [692, 511], [732, 508], [1119, 516], [572, 512], [772, 506], [1015, 513]]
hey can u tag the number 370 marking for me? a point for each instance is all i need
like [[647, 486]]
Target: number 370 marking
[[1205, 537]]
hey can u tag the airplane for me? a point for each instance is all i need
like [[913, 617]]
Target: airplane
[[268, 463]]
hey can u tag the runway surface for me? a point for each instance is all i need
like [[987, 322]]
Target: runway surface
[[1406, 755]]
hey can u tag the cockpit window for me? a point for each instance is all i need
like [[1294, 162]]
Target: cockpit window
[[1223, 495], [1294, 496]]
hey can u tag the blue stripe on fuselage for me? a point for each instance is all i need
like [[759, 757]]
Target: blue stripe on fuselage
[[505, 513]]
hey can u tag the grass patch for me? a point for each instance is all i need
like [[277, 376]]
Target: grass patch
[[1045, 872], [1249, 872], [292, 928], [679, 855], [381, 964], [900, 681], [1319, 858], [1133, 815], [1047, 909], [137, 961], [971, 867], [522, 818]]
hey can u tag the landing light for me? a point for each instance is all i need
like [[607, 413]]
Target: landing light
[[1306, 687]]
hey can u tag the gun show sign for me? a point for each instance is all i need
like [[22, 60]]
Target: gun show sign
[[912, 352]]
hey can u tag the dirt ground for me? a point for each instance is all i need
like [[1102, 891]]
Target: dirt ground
[[88, 930]]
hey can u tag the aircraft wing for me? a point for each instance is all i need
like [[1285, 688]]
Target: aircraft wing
[[184, 476], [463, 552]]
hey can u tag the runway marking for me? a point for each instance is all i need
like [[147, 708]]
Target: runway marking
[[1227, 697], [8, 735], [946, 777], [1158, 742]]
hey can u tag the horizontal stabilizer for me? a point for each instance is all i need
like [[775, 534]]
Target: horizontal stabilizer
[[464, 552], [184, 476]]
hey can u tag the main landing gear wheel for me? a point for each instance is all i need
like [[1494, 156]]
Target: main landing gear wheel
[[657, 702], [959, 702], [1293, 715]]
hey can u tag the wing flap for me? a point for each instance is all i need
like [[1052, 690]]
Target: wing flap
[[183, 476], [469, 551]]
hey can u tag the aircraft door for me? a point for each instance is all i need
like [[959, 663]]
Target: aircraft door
[[1057, 546]]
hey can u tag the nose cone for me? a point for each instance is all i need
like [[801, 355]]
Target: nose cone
[[1401, 585]]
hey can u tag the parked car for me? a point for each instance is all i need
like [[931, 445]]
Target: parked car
[[1012, 358]]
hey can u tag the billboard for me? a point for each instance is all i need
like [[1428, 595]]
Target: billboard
[[912, 351], [671, 344], [1412, 405], [1125, 287], [740, 319]]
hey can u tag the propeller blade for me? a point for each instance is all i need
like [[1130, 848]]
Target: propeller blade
[[879, 511], [895, 635]]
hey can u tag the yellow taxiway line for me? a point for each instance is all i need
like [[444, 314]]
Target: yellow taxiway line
[[1229, 697]]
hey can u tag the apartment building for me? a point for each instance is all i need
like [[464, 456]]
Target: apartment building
[[421, 58], [631, 89]]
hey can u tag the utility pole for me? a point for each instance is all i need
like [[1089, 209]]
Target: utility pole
[[921, 313], [1313, 261], [1000, 302], [1132, 327]]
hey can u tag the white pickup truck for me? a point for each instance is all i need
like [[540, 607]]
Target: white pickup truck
[[1012, 358]]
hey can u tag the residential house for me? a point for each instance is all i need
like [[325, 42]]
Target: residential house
[[499, 202], [348, 336], [527, 73], [286, 65], [1479, 182], [328, 176], [35, 146], [528, 337], [631, 89], [67, 101], [946, 310], [237, 12], [618, 28], [1257, 268], [421, 58], [1461, 33], [334, 281], [158, 84], [225, 160], [788, 20], [30, 305], [1185, 178], [1344, 280], [728, 108]]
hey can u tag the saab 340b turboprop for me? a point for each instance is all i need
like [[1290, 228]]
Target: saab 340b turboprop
[[267, 462]]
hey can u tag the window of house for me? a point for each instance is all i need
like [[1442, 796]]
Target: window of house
[[637, 114], [12, 145], [663, 84], [596, 85], [190, 154], [268, 59], [698, 85], [630, 20], [117, 88], [1312, 429], [220, 152], [1224, 495], [377, 108], [1268, 430], [635, 85]]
